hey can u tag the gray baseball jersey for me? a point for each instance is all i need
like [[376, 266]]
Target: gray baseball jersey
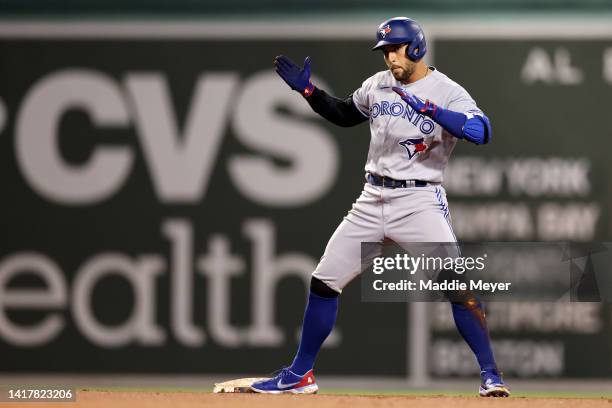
[[406, 145]]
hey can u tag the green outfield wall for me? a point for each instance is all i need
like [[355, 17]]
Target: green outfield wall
[[166, 196]]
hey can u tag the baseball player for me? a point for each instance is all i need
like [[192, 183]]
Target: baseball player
[[416, 116]]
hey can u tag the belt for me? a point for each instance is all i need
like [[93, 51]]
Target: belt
[[383, 181]]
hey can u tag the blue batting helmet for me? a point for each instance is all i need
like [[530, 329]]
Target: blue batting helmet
[[400, 30]]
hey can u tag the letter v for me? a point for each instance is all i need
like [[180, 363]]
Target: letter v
[[180, 164]]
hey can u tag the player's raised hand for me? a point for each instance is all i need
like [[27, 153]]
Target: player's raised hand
[[425, 107], [296, 77]]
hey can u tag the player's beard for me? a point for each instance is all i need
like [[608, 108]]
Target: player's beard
[[403, 73]]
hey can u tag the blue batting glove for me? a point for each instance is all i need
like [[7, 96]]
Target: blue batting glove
[[297, 78], [426, 107]]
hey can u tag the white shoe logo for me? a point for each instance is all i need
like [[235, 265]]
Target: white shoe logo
[[282, 386]]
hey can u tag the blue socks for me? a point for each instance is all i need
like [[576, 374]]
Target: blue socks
[[470, 321], [320, 317], [319, 320]]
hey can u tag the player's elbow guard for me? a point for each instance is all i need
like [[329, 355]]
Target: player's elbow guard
[[477, 129]]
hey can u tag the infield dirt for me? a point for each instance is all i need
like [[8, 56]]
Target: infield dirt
[[120, 399]]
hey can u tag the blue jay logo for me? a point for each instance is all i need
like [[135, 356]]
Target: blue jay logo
[[385, 30], [414, 146]]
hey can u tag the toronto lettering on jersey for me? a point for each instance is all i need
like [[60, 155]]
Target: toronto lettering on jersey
[[397, 109]]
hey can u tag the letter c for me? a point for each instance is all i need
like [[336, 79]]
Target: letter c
[[36, 143]]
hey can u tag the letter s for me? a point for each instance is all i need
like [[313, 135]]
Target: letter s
[[309, 148]]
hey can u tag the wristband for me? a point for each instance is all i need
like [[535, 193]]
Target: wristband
[[308, 90]]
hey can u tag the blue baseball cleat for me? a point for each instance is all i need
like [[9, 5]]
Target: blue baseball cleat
[[287, 382], [492, 385]]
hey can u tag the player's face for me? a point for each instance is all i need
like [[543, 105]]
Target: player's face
[[397, 61]]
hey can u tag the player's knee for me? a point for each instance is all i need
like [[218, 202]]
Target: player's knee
[[319, 288]]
